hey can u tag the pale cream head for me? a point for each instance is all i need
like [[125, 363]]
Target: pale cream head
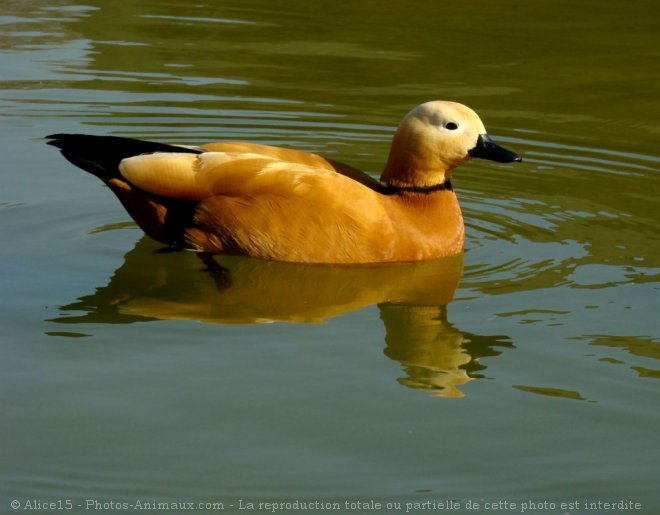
[[432, 140]]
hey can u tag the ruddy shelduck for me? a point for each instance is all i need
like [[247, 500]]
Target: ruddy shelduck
[[287, 205]]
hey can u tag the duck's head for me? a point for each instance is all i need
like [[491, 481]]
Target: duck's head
[[433, 139]]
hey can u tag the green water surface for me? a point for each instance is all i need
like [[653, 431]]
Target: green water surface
[[523, 374]]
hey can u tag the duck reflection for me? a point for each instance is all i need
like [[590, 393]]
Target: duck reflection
[[411, 298]]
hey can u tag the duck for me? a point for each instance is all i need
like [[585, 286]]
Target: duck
[[283, 204]]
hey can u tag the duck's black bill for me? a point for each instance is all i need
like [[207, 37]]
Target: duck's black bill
[[487, 149]]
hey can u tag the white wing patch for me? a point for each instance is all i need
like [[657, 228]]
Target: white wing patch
[[199, 176]]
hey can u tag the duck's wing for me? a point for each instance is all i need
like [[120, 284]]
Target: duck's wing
[[264, 207], [294, 156], [234, 174], [101, 155]]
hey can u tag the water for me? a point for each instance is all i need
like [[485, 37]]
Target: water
[[525, 372]]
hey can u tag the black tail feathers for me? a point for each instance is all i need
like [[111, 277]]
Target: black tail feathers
[[101, 155]]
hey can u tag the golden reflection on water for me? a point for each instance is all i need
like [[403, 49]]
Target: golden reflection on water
[[411, 299]]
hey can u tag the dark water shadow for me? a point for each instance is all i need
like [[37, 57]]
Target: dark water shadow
[[411, 299]]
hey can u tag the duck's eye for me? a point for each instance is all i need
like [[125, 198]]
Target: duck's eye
[[451, 126]]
